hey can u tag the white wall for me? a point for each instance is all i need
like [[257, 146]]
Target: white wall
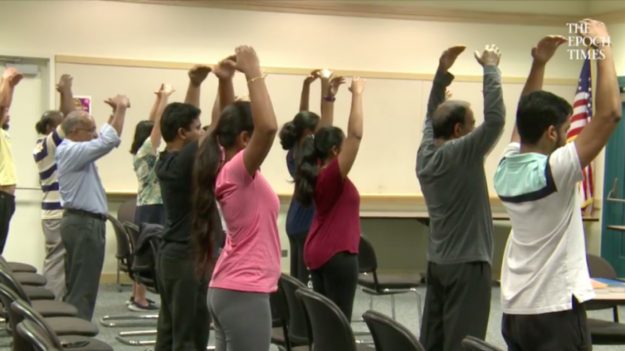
[[154, 32]]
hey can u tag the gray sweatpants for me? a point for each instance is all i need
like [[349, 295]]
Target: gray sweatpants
[[54, 262], [242, 320]]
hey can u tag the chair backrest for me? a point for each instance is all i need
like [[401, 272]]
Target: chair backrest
[[331, 330], [7, 296], [367, 261], [145, 254], [124, 246], [388, 335], [600, 268], [298, 326], [126, 211], [32, 333], [471, 343], [25, 311], [7, 278]]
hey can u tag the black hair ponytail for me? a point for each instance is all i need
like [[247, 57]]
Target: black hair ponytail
[[205, 222], [294, 130]]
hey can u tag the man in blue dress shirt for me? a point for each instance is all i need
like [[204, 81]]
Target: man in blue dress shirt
[[84, 200]]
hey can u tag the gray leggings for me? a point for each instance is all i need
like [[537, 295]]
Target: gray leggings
[[242, 320]]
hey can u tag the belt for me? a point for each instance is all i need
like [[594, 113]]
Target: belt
[[86, 213]]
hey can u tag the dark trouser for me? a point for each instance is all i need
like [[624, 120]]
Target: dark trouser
[[7, 208], [242, 320], [183, 320], [562, 331], [457, 304], [337, 280], [84, 241], [298, 267]]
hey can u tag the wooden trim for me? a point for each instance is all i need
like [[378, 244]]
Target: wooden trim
[[122, 62], [611, 17], [389, 9]]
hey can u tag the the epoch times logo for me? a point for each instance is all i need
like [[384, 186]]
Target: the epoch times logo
[[582, 46]]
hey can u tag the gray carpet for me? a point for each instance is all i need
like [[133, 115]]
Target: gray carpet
[[112, 302]]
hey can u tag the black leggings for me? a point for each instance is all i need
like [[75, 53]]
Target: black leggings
[[337, 280]]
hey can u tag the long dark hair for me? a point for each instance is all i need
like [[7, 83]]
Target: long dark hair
[[142, 132], [205, 224], [314, 150], [293, 131]]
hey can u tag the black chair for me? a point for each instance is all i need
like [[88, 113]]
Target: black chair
[[47, 331], [471, 343], [331, 330], [298, 328], [389, 335], [32, 334], [124, 249], [600, 268], [380, 284], [61, 325], [47, 308], [30, 292], [143, 273], [280, 317], [25, 278]]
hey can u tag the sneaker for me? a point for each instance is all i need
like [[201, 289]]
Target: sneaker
[[130, 300], [151, 306]]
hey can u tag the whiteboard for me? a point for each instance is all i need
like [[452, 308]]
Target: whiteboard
[[394, 111]]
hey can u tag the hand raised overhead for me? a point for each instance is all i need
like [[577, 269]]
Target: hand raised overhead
[[12, 76], [358, 85], [65, 83], [225, 68], [198, 73], [489, 57], [312, 76], [247, 61], [165, 90], [546, 47], [596, 32], [118, 101], [335, 83], [449, 56]]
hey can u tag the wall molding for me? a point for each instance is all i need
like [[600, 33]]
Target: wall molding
[[139, 63]]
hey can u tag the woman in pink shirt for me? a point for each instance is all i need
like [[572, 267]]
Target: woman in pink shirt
[[331, 247], [227, 169]]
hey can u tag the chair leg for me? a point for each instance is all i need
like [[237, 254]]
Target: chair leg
[[393, 306], [119, 285], [615, 313], [370, 302], [419, 307]]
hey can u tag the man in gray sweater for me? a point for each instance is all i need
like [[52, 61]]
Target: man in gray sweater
[[450, 169]]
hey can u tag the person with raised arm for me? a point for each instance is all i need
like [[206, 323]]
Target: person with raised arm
[[183, 322], [292, 134], [227, 169], [84, 200], [8, 179], [544, 278], [144, 148], [48, 127], [331, 248], [450, 169]]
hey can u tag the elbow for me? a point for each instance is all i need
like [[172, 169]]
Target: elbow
[[356, 135], [269, 130]]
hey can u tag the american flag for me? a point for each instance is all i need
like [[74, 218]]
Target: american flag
[[582, 112]]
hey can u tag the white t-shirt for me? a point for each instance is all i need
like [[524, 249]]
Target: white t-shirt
[[544, 262]]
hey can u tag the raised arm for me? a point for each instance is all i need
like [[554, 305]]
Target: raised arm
[[120, 104], [64, 87], [197, 74], [607, 101], [329, 87], [265, 124], [478, 143], [10, 78], [305, 97], [438, 94], [541, 54], [351, 144], [162, 97], [224, 71]]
